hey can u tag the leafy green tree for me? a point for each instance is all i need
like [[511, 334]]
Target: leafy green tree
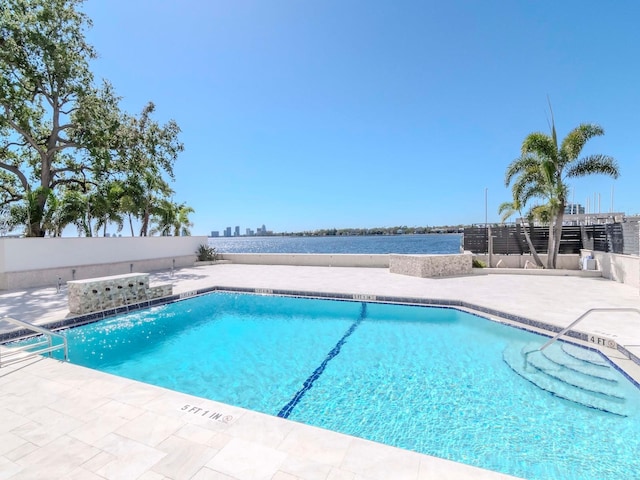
[[62, 138], [544, 167], [148, 153], [50, 111]]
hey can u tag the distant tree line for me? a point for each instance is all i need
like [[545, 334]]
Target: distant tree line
[[69, 156], [399, 230]]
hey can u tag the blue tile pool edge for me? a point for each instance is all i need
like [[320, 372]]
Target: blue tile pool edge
[[518, 321]]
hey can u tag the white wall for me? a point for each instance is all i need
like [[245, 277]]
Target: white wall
[[310, 259], [32, 262], [37, 253], [621, 268], [564, 261]]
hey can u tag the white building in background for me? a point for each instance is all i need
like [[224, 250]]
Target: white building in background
[[573, 209]]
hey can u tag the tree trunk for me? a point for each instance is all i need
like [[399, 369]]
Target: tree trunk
[[551, 246], [558, 234], [532, 249]]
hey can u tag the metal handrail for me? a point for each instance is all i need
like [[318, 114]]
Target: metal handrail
[[35, 328], [588, 312]]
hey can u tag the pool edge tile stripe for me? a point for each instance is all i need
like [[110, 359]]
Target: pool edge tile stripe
[[308, 383]]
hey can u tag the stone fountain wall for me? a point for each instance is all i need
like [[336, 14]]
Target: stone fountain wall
[[431, 265], [95, 294]]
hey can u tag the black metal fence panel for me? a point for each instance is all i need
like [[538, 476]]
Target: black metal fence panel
[[621, 238], [630, 238], [510, 240]]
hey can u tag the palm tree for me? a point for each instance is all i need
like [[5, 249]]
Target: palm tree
[[155, 191], [106, 202], [543, 168], [183, 225], [170, 218]]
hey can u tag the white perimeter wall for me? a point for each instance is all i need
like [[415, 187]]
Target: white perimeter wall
[[310, 259], [564, 261], [621, 268], [31, 262]]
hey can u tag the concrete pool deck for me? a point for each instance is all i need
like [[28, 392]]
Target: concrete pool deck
[[59, 420]]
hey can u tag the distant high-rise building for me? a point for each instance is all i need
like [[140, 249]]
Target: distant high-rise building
[[215, 233], [227, 232], [236, 233], [573, 209], [249, 232]]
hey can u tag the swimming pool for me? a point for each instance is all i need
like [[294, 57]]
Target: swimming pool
[[432, 380]]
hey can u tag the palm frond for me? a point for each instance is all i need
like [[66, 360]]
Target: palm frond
[[506, 210], [539, 144], [575, 140], [518, 166], [594, 164], [552, 126]]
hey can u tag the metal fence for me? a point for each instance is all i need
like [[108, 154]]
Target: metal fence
[[621, 238]]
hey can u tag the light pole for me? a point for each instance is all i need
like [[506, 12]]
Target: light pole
[[486, 231]]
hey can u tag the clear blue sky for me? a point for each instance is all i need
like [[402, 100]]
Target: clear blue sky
[[356, 113]]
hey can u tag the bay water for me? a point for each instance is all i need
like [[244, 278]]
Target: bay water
[[375, 244]]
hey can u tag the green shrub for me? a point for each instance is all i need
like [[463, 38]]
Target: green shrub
[[478, 263], [205, 253]]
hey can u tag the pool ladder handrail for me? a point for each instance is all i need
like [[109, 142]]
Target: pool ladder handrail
[[588, 312], [26, 352]]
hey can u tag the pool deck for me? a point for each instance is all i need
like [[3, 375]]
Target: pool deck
[[59, 420]]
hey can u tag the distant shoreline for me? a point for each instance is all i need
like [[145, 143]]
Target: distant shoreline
[[306, 234]]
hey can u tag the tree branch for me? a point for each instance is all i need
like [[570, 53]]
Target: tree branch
[[17, 172], [67, 144], [74, 181], [22, 132], [79, 169], [8, 201]]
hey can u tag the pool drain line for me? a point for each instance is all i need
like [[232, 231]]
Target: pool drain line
[[308, 383]]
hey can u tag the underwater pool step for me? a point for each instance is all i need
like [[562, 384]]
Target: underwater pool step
[[558, 355], [572, 377], [513, 356], [588, 356]]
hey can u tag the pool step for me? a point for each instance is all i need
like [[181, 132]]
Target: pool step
[[584, 363], [588, 356], [578, 380]]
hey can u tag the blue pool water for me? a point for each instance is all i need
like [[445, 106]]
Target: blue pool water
[[426, 379]]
